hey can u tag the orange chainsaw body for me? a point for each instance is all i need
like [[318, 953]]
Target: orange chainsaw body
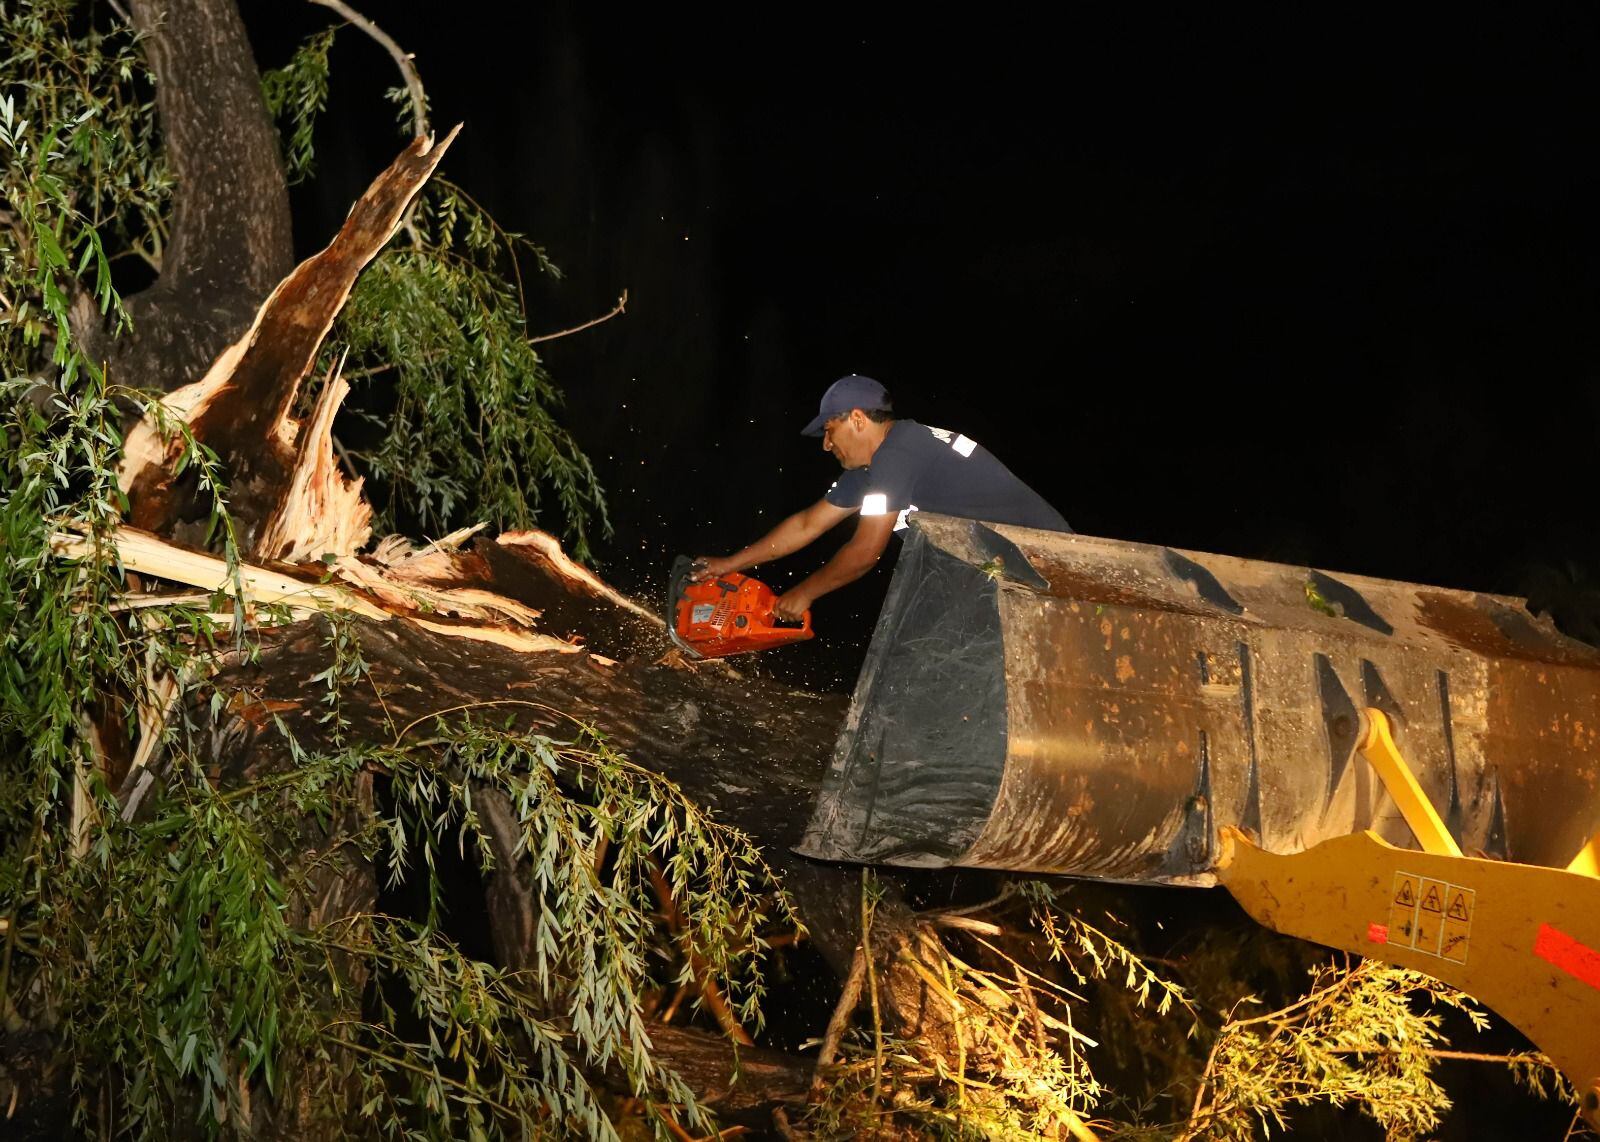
[[731, 614]]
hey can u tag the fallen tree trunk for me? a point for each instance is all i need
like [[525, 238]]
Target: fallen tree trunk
[[509, 629]]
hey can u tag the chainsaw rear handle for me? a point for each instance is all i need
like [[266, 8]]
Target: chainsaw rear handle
[[804, 621]]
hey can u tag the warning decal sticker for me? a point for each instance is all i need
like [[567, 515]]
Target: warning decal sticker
[[1402, 924], [1457, 923], [1431, 916]]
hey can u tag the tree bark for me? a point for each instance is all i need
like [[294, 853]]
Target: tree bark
[[230, 239]]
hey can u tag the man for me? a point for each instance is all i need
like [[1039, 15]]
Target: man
[[891, 468]]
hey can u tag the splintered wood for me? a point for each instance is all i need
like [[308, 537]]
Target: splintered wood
[[293, 506], [323, 511], [484, 615], [285, 498]]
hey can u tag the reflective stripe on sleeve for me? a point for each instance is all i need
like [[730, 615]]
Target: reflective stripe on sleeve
[[874, 503], [963, 445]]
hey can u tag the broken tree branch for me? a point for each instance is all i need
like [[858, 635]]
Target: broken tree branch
[[140, 551], [242, 407]]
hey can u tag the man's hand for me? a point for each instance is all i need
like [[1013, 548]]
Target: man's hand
[[710, 567], [791, 606]]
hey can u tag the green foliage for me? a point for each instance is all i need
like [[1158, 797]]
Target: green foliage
[[1090, 953], [1363, 1036], [296, 94], [1010, 1014], [176, 994], [438, 321], [460, 412], [1319, 603], [64, 141], [77, 140], [192, 982]]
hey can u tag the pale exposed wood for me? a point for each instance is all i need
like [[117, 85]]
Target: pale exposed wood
[[840, 1020], [500, 636], [396, 550], [148, 446], [323, 511], [140, 551], [155, 707], [169, 599], [242, 408], [558, 561], [463, 602], [84, 814], [965, 923]]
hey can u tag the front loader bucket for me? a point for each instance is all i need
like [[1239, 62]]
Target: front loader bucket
[[1048, 702]]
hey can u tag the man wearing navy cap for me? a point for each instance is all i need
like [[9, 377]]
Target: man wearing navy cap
[[891, 469]]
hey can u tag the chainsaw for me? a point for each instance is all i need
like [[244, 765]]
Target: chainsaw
[[731, 614]]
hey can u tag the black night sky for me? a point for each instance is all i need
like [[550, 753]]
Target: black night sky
[[1303, 284]]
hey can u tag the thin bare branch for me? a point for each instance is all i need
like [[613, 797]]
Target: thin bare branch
[[848, 999], [620, 307], [402, 59]]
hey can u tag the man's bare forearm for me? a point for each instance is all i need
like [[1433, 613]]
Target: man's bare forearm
[[785, 539], [847, 565]]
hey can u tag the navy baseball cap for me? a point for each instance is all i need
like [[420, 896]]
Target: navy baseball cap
[[854, 391]]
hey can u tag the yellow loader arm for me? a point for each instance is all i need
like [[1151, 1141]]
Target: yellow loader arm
[[1523, 939]]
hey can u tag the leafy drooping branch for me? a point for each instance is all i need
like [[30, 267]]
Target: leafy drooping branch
[[200, 985], [468, 429], [1364, 1036], [77, 140], [296, 94]]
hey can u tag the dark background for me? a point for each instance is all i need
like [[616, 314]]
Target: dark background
[[1310, 286]]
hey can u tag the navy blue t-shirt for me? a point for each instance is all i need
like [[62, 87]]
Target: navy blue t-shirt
[[918, 468]]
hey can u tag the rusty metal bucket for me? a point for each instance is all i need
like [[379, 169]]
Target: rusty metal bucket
[[1059, 703]]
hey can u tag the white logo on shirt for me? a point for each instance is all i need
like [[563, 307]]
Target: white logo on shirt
[[962, 444]]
